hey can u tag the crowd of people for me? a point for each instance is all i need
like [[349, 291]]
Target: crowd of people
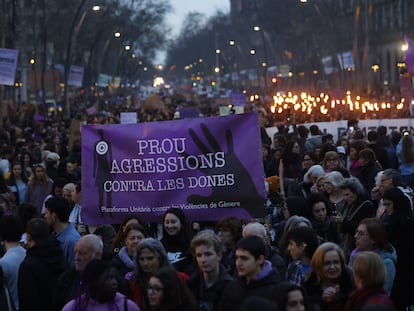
[[336, 235]]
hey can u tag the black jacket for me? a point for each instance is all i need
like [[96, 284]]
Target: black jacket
[[314, 290], [238, 290], [38, 274], [208, 298]]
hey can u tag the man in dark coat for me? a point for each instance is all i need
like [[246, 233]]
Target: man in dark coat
[[38, 272], [256, 276]]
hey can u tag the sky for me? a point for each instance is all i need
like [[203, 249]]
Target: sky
[[182, 7]]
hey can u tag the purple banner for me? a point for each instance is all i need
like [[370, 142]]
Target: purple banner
[[409, 55], [208, 167]]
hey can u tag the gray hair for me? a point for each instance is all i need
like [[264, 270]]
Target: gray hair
[[256, 227], [94, 241], [354, 185], [154, 246], [69, 186], [314, 170], [394, 175], [335, 178]]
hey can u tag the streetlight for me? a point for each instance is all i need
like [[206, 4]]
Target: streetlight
[[232, 42], [256, 28], [252, 52], [117, 34], [73, 33], [375, 67]]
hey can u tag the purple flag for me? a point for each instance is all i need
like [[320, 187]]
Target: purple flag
[[409, 55], [208, 167]]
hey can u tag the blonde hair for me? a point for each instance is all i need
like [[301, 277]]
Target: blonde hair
[[318, 258], [370, 269]]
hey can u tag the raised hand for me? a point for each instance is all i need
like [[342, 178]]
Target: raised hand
[[239, 189]]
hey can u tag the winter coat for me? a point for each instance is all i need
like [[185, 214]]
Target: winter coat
[[353, 214], [67, 287], [366, 176], [122, 262], [239, 289], [360, 298], [178, 252], [38, 274], [208, 298], [314, 290]]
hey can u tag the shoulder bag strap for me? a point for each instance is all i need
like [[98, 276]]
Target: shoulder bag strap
[[357, 209]]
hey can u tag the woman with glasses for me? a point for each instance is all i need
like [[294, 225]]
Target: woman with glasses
[[309, 158], [331, 162], [166, 291], [150, 257], [330, 280], [371, 235]]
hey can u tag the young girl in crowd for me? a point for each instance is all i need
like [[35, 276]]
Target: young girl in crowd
[[166, 291], [176, 238], [101, 291], [18, 182], [291, 297]]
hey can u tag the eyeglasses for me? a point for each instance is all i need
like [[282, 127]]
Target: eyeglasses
[[156, 289], [360, 233]]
